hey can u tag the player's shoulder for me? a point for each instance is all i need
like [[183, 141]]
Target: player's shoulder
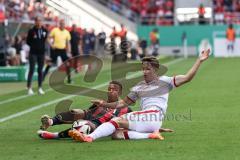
[[138, 85], [165, 78]]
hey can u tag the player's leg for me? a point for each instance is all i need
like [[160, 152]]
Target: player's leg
[[110, 127], [62, 118], [48, 135], [143, 125], [103, 130], [147, 121], [54, 135], [65, 133], [127, 135], [123, 134]]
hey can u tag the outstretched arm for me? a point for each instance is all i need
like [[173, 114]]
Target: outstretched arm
[[118, 104], [182, 79]]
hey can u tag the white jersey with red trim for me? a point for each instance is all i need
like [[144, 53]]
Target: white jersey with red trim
[[153, 95]]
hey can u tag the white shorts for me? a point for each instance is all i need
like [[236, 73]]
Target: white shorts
[[146, 121]]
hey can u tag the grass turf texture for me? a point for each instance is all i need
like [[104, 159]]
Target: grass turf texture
[[211, 133]]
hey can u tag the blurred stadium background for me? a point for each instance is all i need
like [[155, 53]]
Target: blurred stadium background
[[173, 30], [177, 25]]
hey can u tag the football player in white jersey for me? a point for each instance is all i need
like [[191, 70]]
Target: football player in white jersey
[[153, 94]]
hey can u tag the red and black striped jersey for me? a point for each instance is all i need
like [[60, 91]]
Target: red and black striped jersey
[[99, 115]]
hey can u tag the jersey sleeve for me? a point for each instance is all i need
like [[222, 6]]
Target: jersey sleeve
[[169, 80], [133, 95]]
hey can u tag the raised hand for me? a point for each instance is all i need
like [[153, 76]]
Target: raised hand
[[204, 55]]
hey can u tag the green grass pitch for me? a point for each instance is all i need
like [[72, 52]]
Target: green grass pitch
[[205, 115]]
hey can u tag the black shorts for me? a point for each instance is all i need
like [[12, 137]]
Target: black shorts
[[58, 52]]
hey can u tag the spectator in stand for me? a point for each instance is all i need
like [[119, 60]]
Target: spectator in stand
[[2, 11], [237, 6], [169, 12], [27, 10], [101, 38], [144, 17], [115, 6], [154, 40], [12, 58], [18, 46], [230, 35], [92, 44], [113, 37], [228, 5], [123, 33], [201, 13], [134, 50], [75, 40], [160, 11], [85, 43], [226, 11], [154, 36], [147, 10], [218, 12], [143, 46], [123, 36], [24, 51]]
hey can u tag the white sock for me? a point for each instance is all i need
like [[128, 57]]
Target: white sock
[[137, 135], [56, 135], [103, 130]]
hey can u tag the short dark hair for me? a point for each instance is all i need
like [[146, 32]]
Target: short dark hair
[[152, 60], [117, 83]]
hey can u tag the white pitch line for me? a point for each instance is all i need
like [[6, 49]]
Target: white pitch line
[[63, 98], [47, 104], [20, 97], [25, 96]]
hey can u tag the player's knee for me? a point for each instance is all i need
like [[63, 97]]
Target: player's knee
[[121, 122], [118, 134], [77, 113], [117, 120]]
